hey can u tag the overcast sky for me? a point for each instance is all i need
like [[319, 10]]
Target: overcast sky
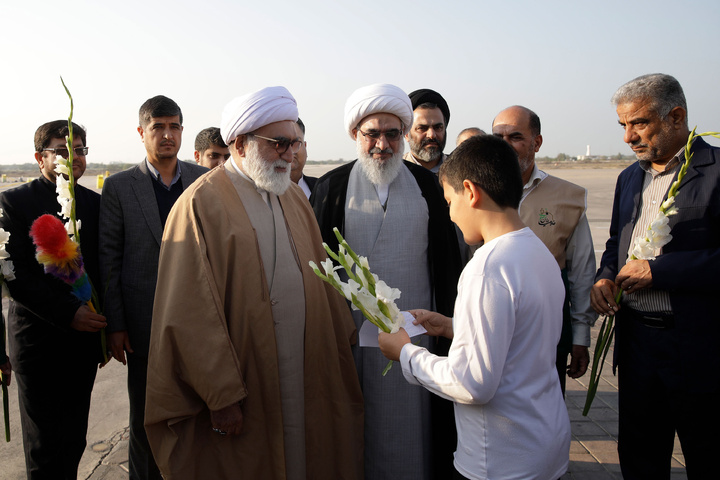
[[563, 59]]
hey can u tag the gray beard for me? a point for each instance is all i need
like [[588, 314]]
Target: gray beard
[[380, 173], [424, 155], [263, 173]]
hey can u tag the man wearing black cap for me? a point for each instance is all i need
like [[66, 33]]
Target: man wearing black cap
[[427, 135]]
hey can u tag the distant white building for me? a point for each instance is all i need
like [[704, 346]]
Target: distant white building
[[587, 155]]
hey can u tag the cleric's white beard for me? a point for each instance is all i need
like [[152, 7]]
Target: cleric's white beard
[[380, 173], [263, 172]]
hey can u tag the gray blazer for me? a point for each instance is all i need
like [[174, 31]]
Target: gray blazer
[[130, 238]]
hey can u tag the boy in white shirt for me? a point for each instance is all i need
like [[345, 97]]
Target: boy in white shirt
[[500, 371]]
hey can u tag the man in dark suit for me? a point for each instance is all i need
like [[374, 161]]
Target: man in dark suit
[[667, 322], [298, 163], [53, 336], [135, 204]]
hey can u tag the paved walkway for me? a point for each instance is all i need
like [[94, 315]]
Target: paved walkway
[[593, 451]]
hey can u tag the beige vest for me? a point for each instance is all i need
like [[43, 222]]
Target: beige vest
[[552, 211]]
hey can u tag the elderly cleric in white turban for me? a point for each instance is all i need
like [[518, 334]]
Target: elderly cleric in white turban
[[249, 112], [377, 98]]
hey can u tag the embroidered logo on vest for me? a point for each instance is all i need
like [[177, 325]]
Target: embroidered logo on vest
[[546, 218]]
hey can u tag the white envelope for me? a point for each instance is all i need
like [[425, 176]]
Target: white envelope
[[369, 332]]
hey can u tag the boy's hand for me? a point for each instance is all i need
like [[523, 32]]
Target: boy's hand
[[391, 344], [436, 324]]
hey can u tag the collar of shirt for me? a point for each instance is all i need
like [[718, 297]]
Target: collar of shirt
[[646, 165], [263, 193], [156, 174], [536, 177], [305, 187]]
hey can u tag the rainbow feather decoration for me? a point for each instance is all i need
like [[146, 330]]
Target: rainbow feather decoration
[[60, 255]]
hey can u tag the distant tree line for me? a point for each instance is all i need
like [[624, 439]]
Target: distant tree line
[[562, 157]]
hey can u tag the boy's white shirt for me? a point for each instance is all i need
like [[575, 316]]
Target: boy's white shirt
[[500, 371]]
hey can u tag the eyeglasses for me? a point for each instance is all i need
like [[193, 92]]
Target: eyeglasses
[[281, 144], [390, 135], [63, 152]]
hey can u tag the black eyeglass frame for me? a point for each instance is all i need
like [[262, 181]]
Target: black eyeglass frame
[[293, 145], [79, 151], [390, 135]]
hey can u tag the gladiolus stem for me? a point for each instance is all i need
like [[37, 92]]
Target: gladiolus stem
[[6, 406], [602, 346]]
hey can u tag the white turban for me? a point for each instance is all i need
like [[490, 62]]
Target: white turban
[[254, 110], [378, 98]]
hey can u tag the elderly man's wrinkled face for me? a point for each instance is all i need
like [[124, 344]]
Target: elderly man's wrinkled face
[[263, 162], [427, 134], [380, 146], [651, 138]]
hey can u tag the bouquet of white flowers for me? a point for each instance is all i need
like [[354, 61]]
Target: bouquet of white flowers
[[366, 292]]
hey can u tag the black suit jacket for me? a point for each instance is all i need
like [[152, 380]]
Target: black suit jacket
[[311, 181], [43, 306], [130, 237], [689, 266]]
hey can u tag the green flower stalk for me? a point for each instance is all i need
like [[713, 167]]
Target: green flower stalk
[[5, 395], [66, 198], [7, 273], [657, 235]]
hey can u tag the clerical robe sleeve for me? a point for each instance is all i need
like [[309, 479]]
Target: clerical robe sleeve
[[192, 358]]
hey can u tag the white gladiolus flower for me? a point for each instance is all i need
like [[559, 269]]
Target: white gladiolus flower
[[7, 269], [658, 235], [385, 293], [65, 207], [328, 266], [4, 236], [668, 203], [61, 168]]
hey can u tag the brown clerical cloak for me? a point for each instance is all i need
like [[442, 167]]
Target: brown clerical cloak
[[213, 343]]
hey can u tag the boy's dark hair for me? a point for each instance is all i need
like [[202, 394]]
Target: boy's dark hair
[[207, 137], [56, 129], [491, 164], [158, 106]]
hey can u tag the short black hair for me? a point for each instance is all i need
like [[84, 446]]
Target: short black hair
[[491, 164], [56, 129], [207, 137], [158, 106], [301, 125]]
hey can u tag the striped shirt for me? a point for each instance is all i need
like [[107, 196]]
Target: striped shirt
[[655, 186]]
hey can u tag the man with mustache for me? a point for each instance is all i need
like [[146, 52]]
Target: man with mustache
[[53, 336], [554, 210], [393, 213], [251, 373], [667, 326], [135, 204], [428, 133]]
